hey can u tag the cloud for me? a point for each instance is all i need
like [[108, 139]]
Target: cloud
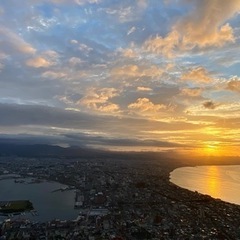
[[128, 53], [144, 105], [191, 92], [78, 2], [115, 65], [43, 116], [206, 25], [82, 2], [74, 61], [52, 55], [54, 75], [234, 85], [131, 30], [52, 117], [135, 71], [144, 89], [38, 62], [84, 140], [45, 60], [217, 38], [210, 105], [98, 100], [108, 108], [74, 41], [81, 46], [223, 110], [55, 124], [107, 141], [199, 75], [11, 41], [123, 14], [164, 46], [84, 48]]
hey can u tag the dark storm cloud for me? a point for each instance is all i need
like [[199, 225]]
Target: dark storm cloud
[[25, 115], [18, 115], [14, 115], [124, 142], [83, 140]]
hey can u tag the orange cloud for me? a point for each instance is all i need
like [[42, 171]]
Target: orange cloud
[[128, 53], [135, 71], [144, 105], [224, 109], [198, 74], [206, 25], [145, 89], [191, 92], [38, 62], [98, 99], [109, 108], [164, 46], [234, 85]]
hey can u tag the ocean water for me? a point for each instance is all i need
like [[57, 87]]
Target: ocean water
[[221, 182], [48, 204]]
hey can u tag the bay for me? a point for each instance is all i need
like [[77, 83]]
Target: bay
[[221, 182], [48, 203]]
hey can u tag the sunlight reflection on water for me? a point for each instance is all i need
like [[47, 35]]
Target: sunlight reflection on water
[[218, 181]]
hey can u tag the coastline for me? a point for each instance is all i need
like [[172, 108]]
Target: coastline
[[217, 181]]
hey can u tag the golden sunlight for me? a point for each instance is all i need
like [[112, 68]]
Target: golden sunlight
[[215, 150], [211, 150], [212, 182]]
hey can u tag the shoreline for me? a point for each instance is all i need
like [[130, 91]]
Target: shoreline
[[180, 182]]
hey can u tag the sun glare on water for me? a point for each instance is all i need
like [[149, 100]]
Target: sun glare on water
[[212, 182]]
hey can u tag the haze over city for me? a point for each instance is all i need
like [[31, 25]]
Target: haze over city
[[122, 75]]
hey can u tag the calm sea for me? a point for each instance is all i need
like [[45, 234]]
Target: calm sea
[[217, 181], [49, 205]]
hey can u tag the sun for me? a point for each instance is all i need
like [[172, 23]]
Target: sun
[[217, 149], [211, 150]]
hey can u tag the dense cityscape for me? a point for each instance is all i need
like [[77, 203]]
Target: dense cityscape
[[119, 199]]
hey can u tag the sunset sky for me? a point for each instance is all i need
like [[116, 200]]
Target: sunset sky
[[122, 75]]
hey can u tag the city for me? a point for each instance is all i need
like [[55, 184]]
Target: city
[[120, 199]]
